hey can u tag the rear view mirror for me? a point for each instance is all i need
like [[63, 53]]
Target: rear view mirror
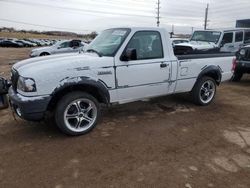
[[129, 54]]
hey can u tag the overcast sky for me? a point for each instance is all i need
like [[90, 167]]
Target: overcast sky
[[83, 16]]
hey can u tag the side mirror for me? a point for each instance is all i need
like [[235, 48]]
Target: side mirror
[[129, 54]]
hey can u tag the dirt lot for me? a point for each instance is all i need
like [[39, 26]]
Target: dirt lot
[[167, 142]]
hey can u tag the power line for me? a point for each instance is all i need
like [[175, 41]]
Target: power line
[[39, 25], [104, 4], [139, 3], [74, 9]]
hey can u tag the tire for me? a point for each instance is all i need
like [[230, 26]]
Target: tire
[[44, 54], [204, 91], [236, 77], [77, 113]]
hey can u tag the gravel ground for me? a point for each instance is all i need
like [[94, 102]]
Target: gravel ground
[[166, 142]]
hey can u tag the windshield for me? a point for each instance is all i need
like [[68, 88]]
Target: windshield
[[207, 36], [108, 42]]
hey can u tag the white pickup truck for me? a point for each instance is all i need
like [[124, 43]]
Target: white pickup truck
[[121, 65]]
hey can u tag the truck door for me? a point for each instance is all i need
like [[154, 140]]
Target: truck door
[[227, 42], [148, 73]]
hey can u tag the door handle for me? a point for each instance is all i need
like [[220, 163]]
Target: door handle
[[163, 65]]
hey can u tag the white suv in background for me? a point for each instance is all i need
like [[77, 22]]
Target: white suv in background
[[66, 46], [204, 41]]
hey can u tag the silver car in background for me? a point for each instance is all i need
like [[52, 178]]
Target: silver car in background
[[66, 46]]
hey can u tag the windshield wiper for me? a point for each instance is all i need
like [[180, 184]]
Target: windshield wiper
[[93, 50]]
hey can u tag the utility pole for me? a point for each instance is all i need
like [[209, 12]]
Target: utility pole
[[172, 32], [158, 13], [206, 17]]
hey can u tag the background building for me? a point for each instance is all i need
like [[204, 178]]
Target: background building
[[243, 23]]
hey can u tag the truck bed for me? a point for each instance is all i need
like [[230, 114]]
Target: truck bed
[[204, 56]]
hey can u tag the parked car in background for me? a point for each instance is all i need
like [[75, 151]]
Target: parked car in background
[[38, 42], [211, 41], [241, 63], [120, 65], [26, 43], [10, 43], [67, 46], [178, 41]]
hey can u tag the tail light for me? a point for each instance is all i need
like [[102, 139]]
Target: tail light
[[234, 64]]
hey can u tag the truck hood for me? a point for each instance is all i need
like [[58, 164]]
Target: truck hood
[[63, 62], [198, 45]]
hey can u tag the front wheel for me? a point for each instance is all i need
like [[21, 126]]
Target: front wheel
[[204, 91], [77, 113]]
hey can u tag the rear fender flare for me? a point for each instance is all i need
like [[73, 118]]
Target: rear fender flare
[[212, 71]]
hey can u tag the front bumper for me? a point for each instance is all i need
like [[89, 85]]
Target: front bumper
[[29, 108], [33, 55]]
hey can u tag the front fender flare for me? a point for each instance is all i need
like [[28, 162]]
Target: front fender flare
[[81, 82]]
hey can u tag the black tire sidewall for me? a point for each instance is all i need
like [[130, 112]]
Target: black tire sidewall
[[196, 91], [62, 105]]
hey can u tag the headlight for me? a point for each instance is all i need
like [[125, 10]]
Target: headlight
[[242, 52], [26, 84]]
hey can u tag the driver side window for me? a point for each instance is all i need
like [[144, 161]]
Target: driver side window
[[147, 44]]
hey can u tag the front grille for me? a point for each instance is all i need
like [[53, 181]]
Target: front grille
[[14, 79]]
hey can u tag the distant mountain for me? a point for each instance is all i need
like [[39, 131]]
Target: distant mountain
[[52, 33]]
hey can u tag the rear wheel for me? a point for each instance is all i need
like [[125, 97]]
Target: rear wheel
[[77, 113], [236, 77], [204, 91]]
